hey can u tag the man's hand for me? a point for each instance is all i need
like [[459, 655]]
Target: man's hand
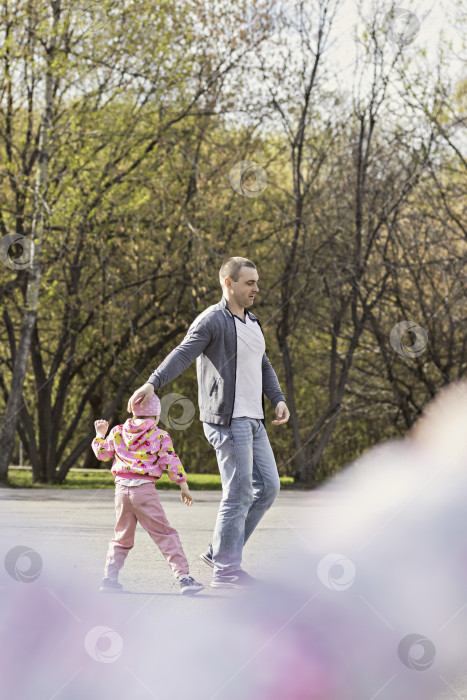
[[186, 496], [282, 413], [101, 427], [146, 391]]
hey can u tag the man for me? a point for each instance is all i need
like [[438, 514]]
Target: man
[[233, 372]]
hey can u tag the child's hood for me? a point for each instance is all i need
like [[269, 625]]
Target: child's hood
[[135, 436]]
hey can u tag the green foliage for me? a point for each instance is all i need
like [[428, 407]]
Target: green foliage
[[362, 223]]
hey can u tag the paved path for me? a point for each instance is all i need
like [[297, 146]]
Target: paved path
[[70, 530], [79, 523], [66, 626]]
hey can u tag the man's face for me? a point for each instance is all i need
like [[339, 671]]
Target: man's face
[[245, 290]]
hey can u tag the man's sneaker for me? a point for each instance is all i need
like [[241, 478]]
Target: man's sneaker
[[239, 579], [207, 556], [109, 586], [188, 585]]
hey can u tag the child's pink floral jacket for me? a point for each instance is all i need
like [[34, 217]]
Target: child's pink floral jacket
[[140, 450]]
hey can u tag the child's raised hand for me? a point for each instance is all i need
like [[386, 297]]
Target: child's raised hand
[[101, 427], [186, 496]]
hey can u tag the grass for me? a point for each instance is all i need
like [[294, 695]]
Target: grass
[[22, 478]]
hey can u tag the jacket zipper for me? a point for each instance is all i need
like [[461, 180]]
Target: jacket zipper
[[235, 378]]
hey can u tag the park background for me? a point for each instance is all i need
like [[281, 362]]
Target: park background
[[142, 144]]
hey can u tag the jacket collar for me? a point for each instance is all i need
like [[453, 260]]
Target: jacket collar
[[224, 305]]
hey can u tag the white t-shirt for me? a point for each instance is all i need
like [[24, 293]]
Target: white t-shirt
[[131, 482], [249, 381]]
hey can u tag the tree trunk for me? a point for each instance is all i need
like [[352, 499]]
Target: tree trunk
[[14, 403], [89, 459]]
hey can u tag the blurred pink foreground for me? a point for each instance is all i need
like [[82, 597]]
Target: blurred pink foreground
[[372, 605]]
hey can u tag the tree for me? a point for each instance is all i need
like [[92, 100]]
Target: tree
[[120, 106], [21, 352]]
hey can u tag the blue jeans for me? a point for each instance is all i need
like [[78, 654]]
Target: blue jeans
[[250, 483]]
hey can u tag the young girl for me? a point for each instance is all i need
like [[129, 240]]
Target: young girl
[[141, 451]]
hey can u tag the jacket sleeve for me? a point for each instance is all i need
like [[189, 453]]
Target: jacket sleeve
[[104, 448], [271, 385], [170, 461], [198, 337]]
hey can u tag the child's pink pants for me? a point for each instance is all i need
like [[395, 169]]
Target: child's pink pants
[[141, 504]]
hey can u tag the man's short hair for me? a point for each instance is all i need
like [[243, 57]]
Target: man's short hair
[[231, 268]]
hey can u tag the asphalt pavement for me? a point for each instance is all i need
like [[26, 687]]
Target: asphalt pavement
[[67, 532], [79, 523]]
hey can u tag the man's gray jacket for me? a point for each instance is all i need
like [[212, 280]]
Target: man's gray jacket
[[211, 340]]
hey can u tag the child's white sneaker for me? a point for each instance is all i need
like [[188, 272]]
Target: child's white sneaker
[[188, 585], [110, 586]]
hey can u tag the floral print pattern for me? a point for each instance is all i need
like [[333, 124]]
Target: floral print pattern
[[137, 450]]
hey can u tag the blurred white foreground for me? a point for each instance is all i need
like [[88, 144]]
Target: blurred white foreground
[[371, 604]]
